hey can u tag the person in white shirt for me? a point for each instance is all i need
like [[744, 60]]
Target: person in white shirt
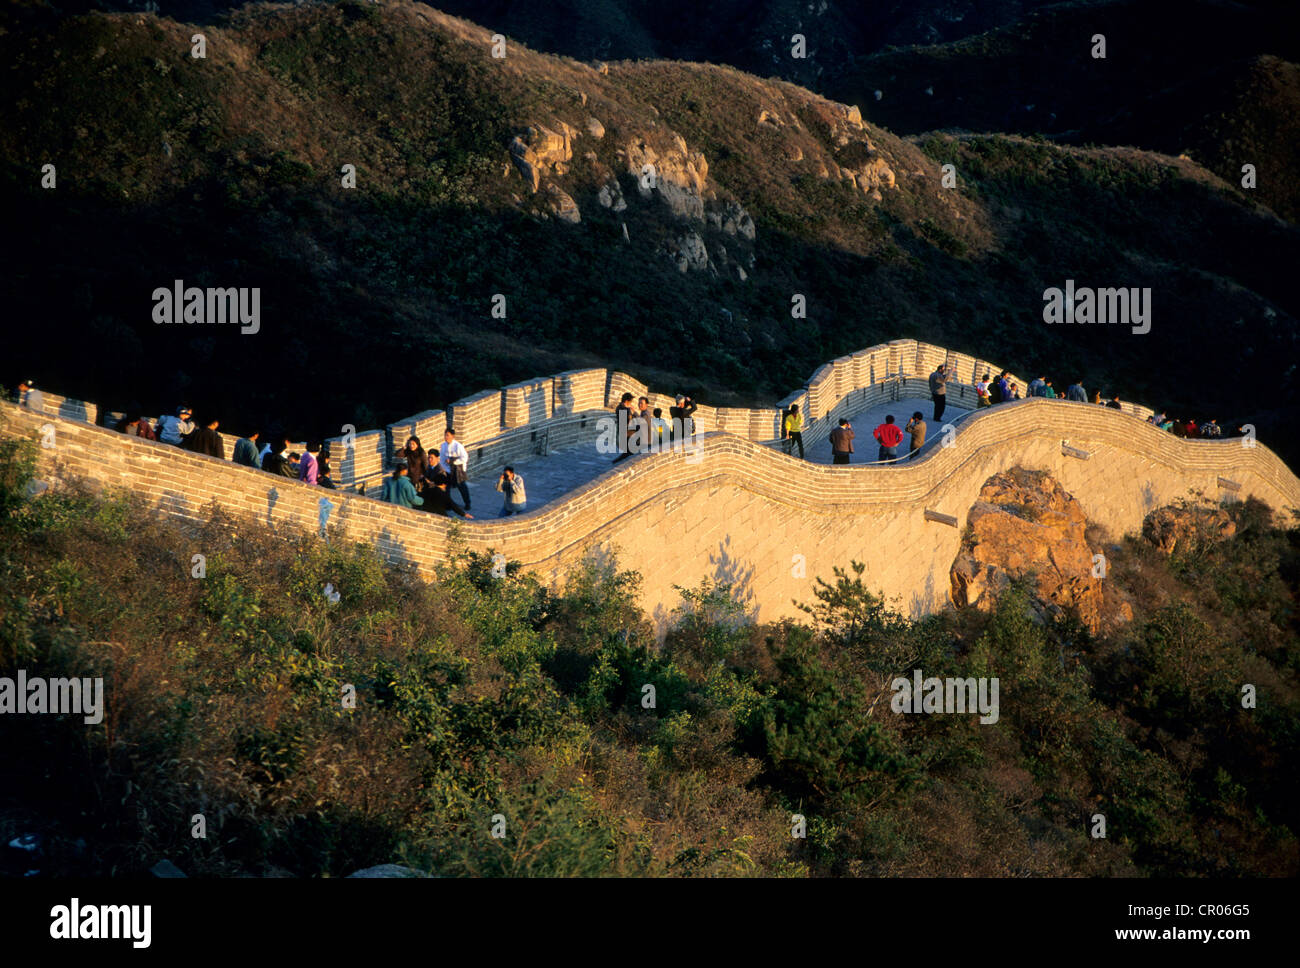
[[512, 486], [453, 461]]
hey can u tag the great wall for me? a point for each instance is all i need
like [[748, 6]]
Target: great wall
[[735, 508]]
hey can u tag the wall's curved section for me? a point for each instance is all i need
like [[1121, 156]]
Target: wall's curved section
[[734, 510]]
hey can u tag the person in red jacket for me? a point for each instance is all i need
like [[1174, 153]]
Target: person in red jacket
[[890, 436]]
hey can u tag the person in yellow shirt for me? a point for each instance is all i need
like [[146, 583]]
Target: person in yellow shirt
[[792, 430]]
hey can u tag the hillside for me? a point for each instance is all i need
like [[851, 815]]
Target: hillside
[[476, 695], [377, 300], [1204, 77]]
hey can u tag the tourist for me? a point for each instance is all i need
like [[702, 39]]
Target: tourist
[[1166, 424], [1096, 398], [982, 398], [246, 450], [916, 427], [1013, 391], [134, 425], [308, 466], [453, 459], [417, 464], [1036, 386], [939, 389], [174, 430], [680, 415], [1114, 403], [30, 397], [206, 440], [661, 430], [996, 388], [276, 460], [1211, 428], [512, 486], [399, 490], [889, 437], [625, 426], [1156, 418], [324, 469], [1076, 392], [438, 500], [640, 426], [841, 442], [792, 430], [1049, 391], [1191, 429]]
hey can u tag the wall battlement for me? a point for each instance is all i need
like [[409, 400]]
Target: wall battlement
[[489, 423], [737, 510]]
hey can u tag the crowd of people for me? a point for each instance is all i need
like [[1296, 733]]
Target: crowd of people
[[311, 465], [418, 479], [425, 480], [989, 391], [643, 430]]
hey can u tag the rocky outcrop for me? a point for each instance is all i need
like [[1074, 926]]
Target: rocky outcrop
[[677, 175], [844, 125], [734, 220], [1025, 525], [610, 195], [562, 205], [542, 150], [690, 253], [1186, 529]]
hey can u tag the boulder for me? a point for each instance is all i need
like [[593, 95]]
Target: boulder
[[611, 195], [526, 162], [734, 220], [680, 175], [1025, 525], [595, 128], [542, 150], [1186, 529], [562, 204], [690, 253]]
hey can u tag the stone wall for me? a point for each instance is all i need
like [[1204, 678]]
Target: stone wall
[[734, 511], [539, 415]]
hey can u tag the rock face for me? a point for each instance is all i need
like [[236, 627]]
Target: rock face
[[734, 220], [1023, 524], [677, 175], [542, 149], [611, 195], [562, 204], [690, 253], [1185, 529], [844, 125]]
